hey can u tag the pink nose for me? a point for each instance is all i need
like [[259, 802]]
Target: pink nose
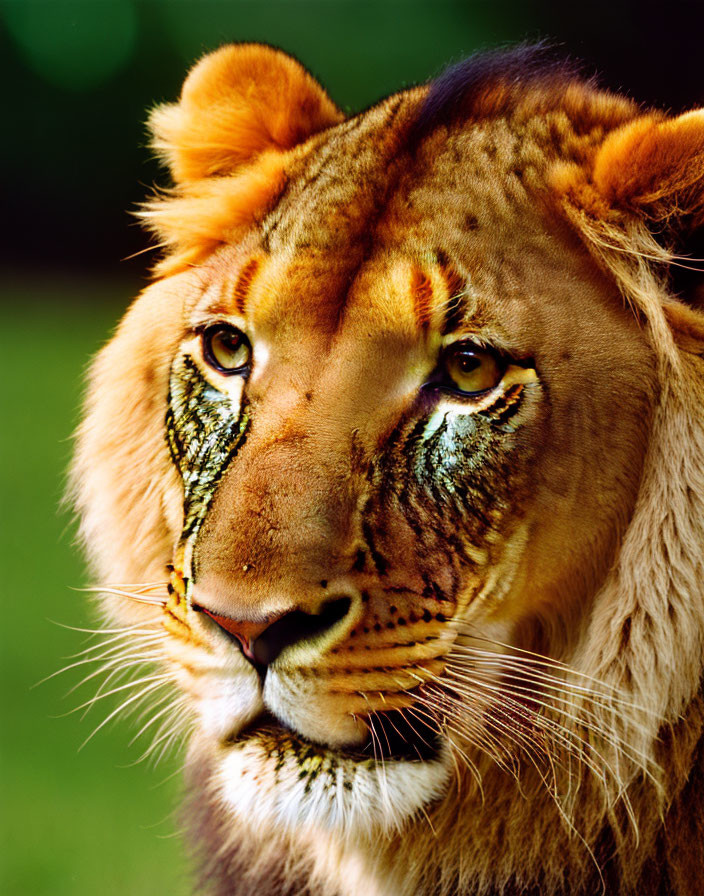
[[245, 631], [262, 641]]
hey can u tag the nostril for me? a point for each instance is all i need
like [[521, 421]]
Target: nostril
[[262, 641], [295, 627]]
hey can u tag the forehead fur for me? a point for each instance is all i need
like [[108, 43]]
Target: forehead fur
[[527, 77], [570, 118]]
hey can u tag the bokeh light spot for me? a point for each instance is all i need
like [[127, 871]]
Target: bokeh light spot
[[73, 44]]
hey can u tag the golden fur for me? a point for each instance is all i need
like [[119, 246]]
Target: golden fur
[[521, 571]]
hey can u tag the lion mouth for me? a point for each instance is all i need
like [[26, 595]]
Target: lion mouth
[[394, 736]]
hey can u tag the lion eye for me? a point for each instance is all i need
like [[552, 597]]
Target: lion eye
[[226, 349], [470, 369]]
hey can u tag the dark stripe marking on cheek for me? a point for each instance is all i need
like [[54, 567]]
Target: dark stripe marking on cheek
[[204, 432]]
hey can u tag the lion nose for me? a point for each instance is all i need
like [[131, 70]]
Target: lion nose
[[263, 641]]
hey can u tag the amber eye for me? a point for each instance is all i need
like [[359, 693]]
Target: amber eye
[[226, 349], [470, 369]]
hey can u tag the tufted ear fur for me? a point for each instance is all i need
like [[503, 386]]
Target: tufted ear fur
[[644, 197], [235, 103], [242, 108], [655, 167]]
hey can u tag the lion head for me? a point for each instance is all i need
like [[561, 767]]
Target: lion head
[[408, 433]]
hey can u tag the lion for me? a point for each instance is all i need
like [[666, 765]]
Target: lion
[[396, 473]]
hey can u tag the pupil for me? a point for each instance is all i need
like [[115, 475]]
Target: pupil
[[469, 363], [229, 341]]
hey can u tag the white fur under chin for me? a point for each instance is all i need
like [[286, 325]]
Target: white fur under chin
[[276, 791]]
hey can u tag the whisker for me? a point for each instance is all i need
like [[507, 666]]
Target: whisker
[[526, 668], [127, 587], [170, 730], [145, 586], [154, 718], [115, 667], [154, 685], [378, 758], [609, 692], [117, 673], [172, 736], [138, 597], [153, 248], [115, 651], [474, 771], [570, 740], [527, 741], [518, 709], [586, 717], [98, 631], [552, 713], [122, 687], [482, 738], [127, 638]]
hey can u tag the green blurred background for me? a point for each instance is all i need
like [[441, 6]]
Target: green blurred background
[[78, 78]]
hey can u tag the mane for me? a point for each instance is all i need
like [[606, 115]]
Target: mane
[[534, 77], [490, 82]]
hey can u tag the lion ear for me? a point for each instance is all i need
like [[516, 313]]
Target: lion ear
[[653, 168], [226, 141], [236, 103]]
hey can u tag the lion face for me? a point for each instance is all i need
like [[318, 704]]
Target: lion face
[[364, 447], [400, 415]]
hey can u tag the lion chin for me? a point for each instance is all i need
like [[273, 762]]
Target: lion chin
[[278, 782], [402, 453], [307, 773]]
